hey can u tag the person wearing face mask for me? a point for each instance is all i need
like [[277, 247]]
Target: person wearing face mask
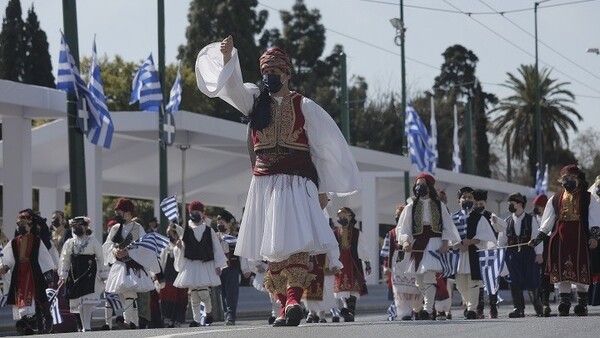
[[300, 156], [82, 271], [523, 262], [236, 266], [130, 270], [425, 225], [60, 231], [546, 288], [350, 283], [572, 220], [475, 233], [173, 300], [30, 265], [199, 261]]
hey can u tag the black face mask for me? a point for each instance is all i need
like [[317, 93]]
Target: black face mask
[[272, 82], [511, 208], [196, 218], [221, 228], [421, 190], [569, 185], [479, 209], [467, 205], [21, 230], [78, 230], [56, 223], [119, 219], [536, 211], [343, 222], [172, 239]]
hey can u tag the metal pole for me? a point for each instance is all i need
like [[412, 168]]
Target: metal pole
[[344, 98], [469, 136], [75, 136], [183, 208], [538, 117], [403, 109], [162, 147]]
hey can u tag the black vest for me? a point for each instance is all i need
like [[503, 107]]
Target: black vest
[[472, 223], [525, 234], [198, 250]]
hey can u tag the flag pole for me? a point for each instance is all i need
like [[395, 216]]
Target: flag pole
[[162, 147]]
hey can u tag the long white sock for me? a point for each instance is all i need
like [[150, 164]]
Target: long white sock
[[86, 316]]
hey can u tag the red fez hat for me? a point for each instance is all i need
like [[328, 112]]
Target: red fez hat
[[426, 177], [124, 205], [196, 205], [540, 200], [570, 169], [275, 58], [111, 223]]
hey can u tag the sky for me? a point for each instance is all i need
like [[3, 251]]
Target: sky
[[566, 29]]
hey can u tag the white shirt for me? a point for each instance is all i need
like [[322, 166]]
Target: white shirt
[[503, 238]]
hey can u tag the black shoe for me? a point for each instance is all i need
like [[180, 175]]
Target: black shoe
[[471, 315], [279, 322], [229, 322], [493, 312], [348, 316], [563, 309], [546, 311], [516, 313], [293, 315], [335, 319], [194, 323], [322, 320], [271, 320], [424, 315], [310, 318], [132, 326], [209, 319], [441, 315], [407, 318], [580, 310], [105, 327]]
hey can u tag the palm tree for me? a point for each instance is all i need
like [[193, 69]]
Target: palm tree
[[515, 115]]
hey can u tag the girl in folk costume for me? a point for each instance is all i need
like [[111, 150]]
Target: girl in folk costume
[[82, 271], [199, 260], [300, 156], [350, 282], [173, 300], [31, 272], [572, 220], [425, 225], [319, 296], [407, 298], [130, 269]]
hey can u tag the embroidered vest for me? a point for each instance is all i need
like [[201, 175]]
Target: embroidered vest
[[198, 250], [525, 234], [436, 217]]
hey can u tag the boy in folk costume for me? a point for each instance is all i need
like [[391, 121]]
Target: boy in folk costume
[[130, 269], [572, 220], [199, 260], [407, 298], [300, 156], [31, 272], [350, 282], [82, 271], [475, 233], [425, 225]]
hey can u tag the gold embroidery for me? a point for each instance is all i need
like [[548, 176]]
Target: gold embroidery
[[281, 132], [569, 207], [345, 238], [436, 225], [568, 273]]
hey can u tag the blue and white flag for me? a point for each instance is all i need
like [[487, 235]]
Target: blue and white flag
[[230, 240], [202, 314], [433, 160], [152, 241], [457, 163], [68, 78], [460, 221], [1, 251], [113, 300], [169, 208], [448, 260], [491, 262], [146, 87], [3, 298], [541, 181], [335, 312], [54, 310], [175, 94], [392, 312], [418, 139], [100, 123]]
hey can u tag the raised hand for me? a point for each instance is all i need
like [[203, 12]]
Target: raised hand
[[227, 49]]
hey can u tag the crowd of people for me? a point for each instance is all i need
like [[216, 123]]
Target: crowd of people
[[306, 265]]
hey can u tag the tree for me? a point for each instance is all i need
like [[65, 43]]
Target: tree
[[12, 45], [37, 68], [587, 152], [515, 116]]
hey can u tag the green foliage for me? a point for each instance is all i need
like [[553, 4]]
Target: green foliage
[[37, 68], [12, 44]]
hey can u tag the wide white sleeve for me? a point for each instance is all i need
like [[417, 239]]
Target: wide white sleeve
[[109, 245], [224, 81], [329, 151], [54, 255], [498, 223], [65, 259], [363, 252], [179, 259], [503, 239], [45, 260], [539, 249], [449, 231], [244, 266], [548, 217], [220, 258], [404, 226], [594, 213], [333, 258], [8, 259], [484, 233]]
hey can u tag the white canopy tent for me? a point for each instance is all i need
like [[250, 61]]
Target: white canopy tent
[[217, 169]]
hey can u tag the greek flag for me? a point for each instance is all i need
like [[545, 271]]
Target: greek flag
[[541, 181], [491, 262], [433, 160], [146, 87], [457, 163], [392, 312], [2, 300], [101, 126], [175, 94], [385, 248], [460, 221], [113, 300], [202, 314], [418, 140], [230, 240], [151, 241], [448, 260], [54, 310], [169, 208], [68, 78], [335, 312], [1, 251]]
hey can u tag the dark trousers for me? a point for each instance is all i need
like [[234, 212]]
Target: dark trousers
[[230, 289]]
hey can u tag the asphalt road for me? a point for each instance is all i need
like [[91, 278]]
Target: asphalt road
[[376, 325]]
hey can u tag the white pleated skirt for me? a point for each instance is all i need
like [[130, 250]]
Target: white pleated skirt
[[283, 217], [120, 281], [196, 274]]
